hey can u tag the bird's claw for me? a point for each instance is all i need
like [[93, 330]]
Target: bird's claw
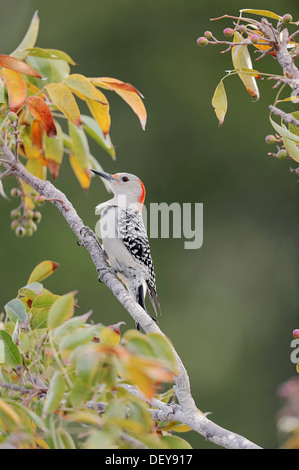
[[103, 271]]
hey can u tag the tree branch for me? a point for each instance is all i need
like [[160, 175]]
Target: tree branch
[[186, 411], [285, 116]]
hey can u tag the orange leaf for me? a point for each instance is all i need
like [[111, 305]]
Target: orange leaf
[[127, 92], [37, 134], [16, 89], [17, 65], [42, 113]]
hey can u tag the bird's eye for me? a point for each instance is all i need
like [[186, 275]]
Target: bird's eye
[[125, 179]]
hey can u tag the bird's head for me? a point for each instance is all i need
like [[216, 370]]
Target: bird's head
[[125, 185]]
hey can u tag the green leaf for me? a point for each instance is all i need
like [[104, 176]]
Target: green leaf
[[28, 40], [284, 132], [31, 290], [55, 393], [61, 310], [44, 300], [292, 127], [54, 70], [70, 325], [39, 318], [82, 336], [266, 13], [291, 148], [54, 147], [54, 54], [93, 129], [163, 350], [16, 311], [43, 269], [12, 354], [219, 102], [175, 442]]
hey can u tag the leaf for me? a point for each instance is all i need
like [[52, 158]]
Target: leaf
[[284, 132], [79, 157], [38, 317], [40, 111], [111, 335], [163, 350], [75, 339], [16, 89], [12, 354], [266, 13], [9, 411], [219, 102], [291, 148], [61, 310], [84, 88], [31, 290], [175, 442], [127, 92], [29, 38], [69, 326], [44, 300], [100, 113], [63, 99], [16, 311], [241, 59], [54, 151], [54, 70], [93, 129], [42, 271], [49, 54], [16, 65], [292, 127], [55, 393]]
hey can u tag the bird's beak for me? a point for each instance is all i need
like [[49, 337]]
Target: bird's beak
[[103, 174]]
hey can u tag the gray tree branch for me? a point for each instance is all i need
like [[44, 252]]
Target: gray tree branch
[[186, 411]]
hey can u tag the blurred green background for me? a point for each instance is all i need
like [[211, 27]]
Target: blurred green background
[[229, 307]]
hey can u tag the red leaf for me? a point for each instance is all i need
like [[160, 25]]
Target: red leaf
[[42, 113], [11, 63], [16, 89]]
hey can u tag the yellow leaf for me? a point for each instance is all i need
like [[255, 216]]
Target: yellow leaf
[[83, 175], [28, 40], [241, 59], [41, 443], [219, 102], [127, 92], [110, 335], [42, 271], [63, 99], [266, 13], [100, 113], [85, 89], [9, 411]]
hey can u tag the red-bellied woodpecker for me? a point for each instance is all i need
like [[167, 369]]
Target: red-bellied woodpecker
[[124, 236]]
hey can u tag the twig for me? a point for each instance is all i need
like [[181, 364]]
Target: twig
[[16, 388], [187, 411], [285, 116]]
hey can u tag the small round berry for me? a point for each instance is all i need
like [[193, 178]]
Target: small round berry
[[15, 214], [254, 38], [202, 41], [242, 28], [37, 217], [28, 232], [20, 231], [228, 32], [296, 333], [282, 154], [287, 18], [40, 200], [12, 116], [15, 192], [270, 139], [14, 224], [208, 34], [29, 215]]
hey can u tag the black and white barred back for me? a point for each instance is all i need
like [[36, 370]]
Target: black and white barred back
[[132, 231]]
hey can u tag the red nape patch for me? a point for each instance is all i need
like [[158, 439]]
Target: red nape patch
[[142, 195]]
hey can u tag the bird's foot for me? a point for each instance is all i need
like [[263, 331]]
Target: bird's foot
[[87, 231], [103, 271]]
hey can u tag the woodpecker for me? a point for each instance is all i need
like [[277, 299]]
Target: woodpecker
[[124, 237]]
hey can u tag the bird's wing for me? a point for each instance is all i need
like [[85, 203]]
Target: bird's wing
[[132, 231]]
